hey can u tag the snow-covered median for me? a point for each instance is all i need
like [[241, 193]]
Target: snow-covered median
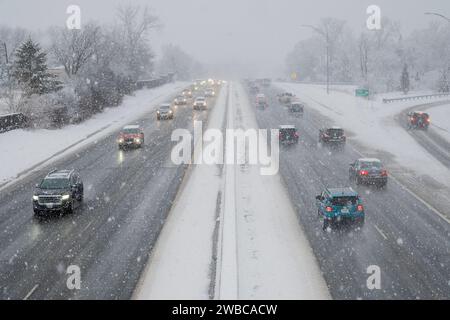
[[440, 120], [23, 149], [232, 233], [373, 125]]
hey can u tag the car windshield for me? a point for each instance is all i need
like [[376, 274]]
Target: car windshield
[[344, 201], [54, 184], [335, 132], [130, 131], [164, 107], [370, 164], [290, 131], [297, 107]]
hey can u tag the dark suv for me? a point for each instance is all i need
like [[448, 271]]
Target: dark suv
[[59, 191], [333, 135], [288, 134], [368, 171]]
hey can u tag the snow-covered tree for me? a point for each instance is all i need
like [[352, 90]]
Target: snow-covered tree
[[443, 85], [131, 32], [175, 60], [73, 48], [31, 72]]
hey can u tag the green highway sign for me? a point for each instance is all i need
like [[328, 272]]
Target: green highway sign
[[362, 92]]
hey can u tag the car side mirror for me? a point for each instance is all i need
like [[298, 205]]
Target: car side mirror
[[319, 197], [37, 185]]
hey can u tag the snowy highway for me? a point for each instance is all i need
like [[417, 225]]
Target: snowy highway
[[115, 236], [128, 195], [406, 239]]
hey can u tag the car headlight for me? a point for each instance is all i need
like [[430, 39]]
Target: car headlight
[[66, 197], [35, 198], [137, 140], [170, 111], [120, 140]]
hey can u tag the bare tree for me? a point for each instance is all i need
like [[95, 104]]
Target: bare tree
[[73, 48], [134, 26]]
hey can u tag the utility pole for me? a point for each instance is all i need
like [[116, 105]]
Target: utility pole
[[327, 40]]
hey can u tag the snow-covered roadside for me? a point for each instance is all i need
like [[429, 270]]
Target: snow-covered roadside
[[22, 149], [440, 120], [372, 123], [180, 264], [275, 260]]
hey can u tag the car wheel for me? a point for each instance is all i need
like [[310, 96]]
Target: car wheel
[[360, 223], [70, 209], [358, 181], [326, 224]]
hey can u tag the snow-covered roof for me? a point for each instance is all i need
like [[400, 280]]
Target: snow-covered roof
[[287, 126], [132, 126], [369, 160]]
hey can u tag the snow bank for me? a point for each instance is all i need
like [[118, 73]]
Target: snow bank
[[440, 120], [180, 264], [262, 252], [23, 149], [372, 123], [275, 259]]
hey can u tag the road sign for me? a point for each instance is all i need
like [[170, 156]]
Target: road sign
[[362, 92]]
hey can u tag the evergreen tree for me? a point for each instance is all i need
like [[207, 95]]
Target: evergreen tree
[[31, 72], [405, 80]]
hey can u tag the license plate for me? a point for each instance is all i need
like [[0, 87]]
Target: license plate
[[344, 210], [49, 205]]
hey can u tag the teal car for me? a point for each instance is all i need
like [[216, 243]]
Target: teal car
[[339, 204]]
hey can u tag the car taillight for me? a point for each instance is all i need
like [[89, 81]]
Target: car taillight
[[360, 207], [328, 209], [363, 172], [296, 134], [384, 173], [428, 120]]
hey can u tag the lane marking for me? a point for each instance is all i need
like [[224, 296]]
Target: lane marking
[[31, 292], [380, 232]]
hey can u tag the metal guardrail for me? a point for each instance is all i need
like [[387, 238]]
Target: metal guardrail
[[427, 96]]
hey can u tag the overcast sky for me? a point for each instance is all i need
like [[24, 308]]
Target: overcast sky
[[244, 33]]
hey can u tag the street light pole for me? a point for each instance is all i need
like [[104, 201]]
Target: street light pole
[[327, 40]]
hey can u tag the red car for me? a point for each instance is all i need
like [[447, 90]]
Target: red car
[[418, 120], [131, 136]]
